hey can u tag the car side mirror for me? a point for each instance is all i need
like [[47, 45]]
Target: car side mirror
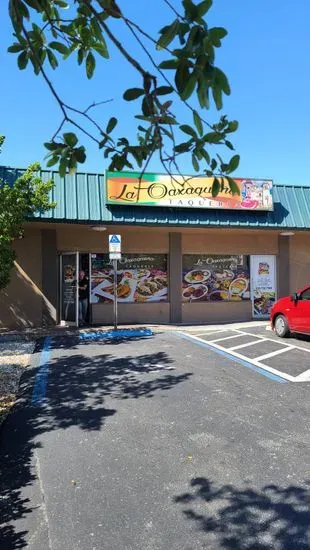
[[294, 297]]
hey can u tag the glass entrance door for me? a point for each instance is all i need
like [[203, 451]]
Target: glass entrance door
[[69, 288]]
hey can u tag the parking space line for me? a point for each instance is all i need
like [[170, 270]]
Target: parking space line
[[244, 361], [304, 376], [243, 358], [226, 338], [280, 342], [273, 353], [246, 345], [206, 333]]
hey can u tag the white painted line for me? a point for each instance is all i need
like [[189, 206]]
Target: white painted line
[[272, 354], [244, 358], [279, 341], [303, 377], [245, 345], [208, 333], [226, 338]]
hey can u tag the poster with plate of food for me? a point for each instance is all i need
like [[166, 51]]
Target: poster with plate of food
[[215, 278], [263, 273], [140, 278]]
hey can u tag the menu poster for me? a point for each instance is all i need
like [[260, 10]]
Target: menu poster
[[140, 278], [215, 278], [69, 287], [263, 273]]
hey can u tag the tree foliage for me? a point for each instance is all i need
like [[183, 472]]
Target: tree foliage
[[48, 32], [27, 195]]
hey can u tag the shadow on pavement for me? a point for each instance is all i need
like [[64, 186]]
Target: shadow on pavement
[[78, 386], [273, 517]]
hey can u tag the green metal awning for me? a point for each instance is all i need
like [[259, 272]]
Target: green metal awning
[[80, 198]]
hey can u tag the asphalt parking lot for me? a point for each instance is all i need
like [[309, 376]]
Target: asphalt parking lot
[[259, 349], [155, 443]]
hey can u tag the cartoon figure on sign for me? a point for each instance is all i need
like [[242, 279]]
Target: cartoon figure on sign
[[250, 195], [267, 198]]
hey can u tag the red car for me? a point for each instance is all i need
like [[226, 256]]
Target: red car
[[292, 314]]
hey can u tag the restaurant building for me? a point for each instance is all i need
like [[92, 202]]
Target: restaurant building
[[186, 257]]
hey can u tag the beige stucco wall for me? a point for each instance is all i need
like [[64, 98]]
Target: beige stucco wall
[[21, 301], [134, 240], [206, 312], [132, 313], [299, 261]]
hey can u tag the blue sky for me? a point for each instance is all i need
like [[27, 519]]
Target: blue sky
[[266, 57]]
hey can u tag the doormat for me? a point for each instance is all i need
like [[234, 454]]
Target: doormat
[[116, 334]]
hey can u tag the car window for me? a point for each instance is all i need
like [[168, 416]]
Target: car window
[[305, 295]]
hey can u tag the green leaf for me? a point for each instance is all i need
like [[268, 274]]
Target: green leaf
[[188, 130], [232, 126], [80, 154], [198, 123], [111, 125], [52, 59], [147, 106], [203, 7], [169, 64], [90, 64], [216, 34], [61, 48], [168, 35], [70, 139], [217, 96], [63, 167], [189, 87], [216, 186], [16, 47], [233, 186], [181, 76], [133, 93], [205, 155], [195, 163], [53, 160], [164, 90], [221, 80], [212, 137], [80, 56], [233, 164], [52, 146], [229, 145], [22, 60], [33, 4]]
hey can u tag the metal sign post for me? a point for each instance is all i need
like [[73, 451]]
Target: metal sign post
[[115, 294], [115, 254]]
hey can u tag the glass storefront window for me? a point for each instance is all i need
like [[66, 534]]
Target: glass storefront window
[[140, 278], [215, 278]]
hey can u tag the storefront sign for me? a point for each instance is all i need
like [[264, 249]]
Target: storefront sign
[[127, 188], [215, 278], [263, 277], [140, 278]]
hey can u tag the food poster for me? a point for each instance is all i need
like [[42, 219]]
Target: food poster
[[215, 278], [140, 278], [263, 273], [69, 287]]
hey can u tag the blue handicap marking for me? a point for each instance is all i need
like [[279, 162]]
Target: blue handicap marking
[[115, 334], [114, 239]]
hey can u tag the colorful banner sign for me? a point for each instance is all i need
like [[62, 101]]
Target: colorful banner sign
[[127, 188], [140, 278], [263, 276], [215, 278]]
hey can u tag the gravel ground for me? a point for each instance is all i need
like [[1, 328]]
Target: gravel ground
[[14, 358]]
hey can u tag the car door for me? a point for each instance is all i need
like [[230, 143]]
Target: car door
[[302, 311]]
